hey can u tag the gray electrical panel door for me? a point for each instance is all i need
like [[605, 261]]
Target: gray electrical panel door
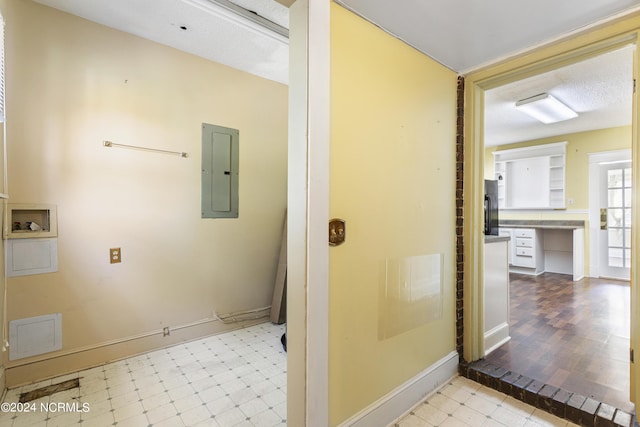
[[219, 172]]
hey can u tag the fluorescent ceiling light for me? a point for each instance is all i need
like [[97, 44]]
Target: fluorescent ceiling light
[[545, 108]]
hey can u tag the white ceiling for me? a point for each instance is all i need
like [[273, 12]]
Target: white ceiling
[[461, 34], [600, 90], [465, 34], [212, 31]]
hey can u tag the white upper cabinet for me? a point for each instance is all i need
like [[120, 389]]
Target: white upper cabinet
[[531, 177]]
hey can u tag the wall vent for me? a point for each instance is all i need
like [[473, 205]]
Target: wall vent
[[35, 335]]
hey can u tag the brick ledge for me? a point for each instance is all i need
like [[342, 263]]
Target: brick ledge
[[576, 408]]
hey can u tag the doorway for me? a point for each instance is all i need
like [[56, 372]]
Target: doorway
[[610, 190], [614, 250], [609, 248]]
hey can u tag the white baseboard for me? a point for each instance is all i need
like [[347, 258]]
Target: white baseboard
[[496, 337], [50, 365], [524, 270], [396, 404]]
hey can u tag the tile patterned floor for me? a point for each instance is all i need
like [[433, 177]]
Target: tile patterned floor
[[233, 379], [464, 403]]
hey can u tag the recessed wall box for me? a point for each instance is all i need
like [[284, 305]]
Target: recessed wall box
[[31, 221]]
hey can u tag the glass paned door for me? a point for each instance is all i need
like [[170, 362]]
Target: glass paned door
[[617, 233]]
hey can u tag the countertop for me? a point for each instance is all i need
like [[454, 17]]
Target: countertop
[[541, 223], [494, 239]]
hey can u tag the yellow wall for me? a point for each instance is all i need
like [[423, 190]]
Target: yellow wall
[[393, 181], [72, 84], [579, 146]]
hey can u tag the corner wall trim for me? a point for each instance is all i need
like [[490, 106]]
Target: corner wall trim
[[397, 403]]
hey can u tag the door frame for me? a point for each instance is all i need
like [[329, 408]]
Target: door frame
[[605, 36], [308, 215], [595, 159]]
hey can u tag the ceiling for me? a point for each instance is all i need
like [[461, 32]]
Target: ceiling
[[599, 89], [201, 27], [466, 34], [461, 34]]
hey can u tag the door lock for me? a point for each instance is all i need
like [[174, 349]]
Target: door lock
[[337, 232], [603, 218]]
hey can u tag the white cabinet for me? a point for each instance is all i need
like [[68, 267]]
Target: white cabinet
[[496, 295], [528, 247], [525, 243], [531, 177], [539, 246]]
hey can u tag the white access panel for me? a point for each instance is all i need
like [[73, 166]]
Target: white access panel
[[35, 335], [31, 256]]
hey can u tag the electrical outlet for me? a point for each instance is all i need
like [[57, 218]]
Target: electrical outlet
[[166, 331], [115, 256]]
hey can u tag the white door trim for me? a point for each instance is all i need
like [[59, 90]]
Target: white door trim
[[594, 202], [318, 129], [308, 215]]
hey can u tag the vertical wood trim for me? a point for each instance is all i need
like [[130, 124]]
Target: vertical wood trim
[[318, 143], [634, 372], [473, 224], [297, 217]]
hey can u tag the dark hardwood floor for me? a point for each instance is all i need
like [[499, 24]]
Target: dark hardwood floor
[[573, 335]]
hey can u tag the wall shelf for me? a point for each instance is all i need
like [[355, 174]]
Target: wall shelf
[[531, 177]]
